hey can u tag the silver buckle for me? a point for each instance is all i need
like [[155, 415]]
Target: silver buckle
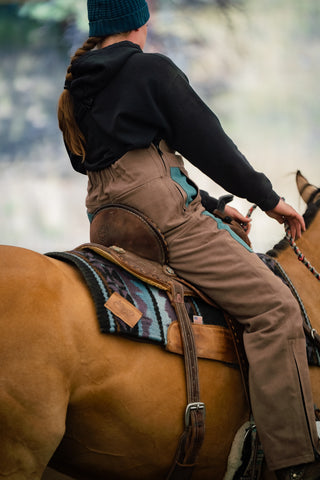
[[193, 406]]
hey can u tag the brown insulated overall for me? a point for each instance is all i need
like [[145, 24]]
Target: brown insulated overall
[[205, 252]]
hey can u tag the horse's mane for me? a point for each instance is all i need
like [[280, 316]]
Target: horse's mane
[[308, 216]]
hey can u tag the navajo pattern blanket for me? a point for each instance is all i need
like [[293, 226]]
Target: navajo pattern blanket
[[105, 278]]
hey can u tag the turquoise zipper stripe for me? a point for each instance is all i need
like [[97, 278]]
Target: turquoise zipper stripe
[[178, 177], [224, 226]]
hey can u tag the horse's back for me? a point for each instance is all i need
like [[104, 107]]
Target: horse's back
[[116, 406]]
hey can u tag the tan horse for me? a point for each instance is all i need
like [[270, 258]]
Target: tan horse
[[98, 406]]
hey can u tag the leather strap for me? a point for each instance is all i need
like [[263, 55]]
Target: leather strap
[[236, 330], [192, 438], [164, 277]]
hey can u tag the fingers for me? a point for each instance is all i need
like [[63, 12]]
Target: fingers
[[296, 225], [295, 228], [243, 221], [292, 229], [236, 215], [246, 227], [284, 213]]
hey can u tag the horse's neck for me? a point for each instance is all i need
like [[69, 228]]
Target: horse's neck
[[307, 286]]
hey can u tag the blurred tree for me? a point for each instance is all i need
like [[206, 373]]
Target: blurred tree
[[218, 3], [74, 11], [60, 11]]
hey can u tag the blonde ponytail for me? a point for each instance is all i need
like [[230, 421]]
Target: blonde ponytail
[[72, 134]]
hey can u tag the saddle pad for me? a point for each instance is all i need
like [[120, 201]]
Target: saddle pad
[[153, 309], [127, 306]]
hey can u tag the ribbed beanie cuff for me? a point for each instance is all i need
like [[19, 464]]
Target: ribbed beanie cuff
[[107, 17]]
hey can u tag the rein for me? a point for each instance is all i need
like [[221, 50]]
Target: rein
[[299, 254], [309, 330], [294, 246]]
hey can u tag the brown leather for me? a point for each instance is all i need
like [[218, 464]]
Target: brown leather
[[236, 330], [123, 309], [212, 342], [164, 277], [146, 270], [127, 228], [192, 438], [161, 277]]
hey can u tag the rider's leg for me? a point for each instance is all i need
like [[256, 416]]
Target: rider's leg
[[240, 283], [204, 251]]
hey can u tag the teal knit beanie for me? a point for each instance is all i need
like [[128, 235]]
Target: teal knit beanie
[[107, 17]]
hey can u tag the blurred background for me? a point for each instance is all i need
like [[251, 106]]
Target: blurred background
[[255, 62]]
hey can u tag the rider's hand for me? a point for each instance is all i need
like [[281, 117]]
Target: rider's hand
[[244, 222], [284, 213]]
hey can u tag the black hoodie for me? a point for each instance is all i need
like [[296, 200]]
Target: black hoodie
[[126, 99]]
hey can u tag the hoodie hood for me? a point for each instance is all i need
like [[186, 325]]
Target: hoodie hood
[[94, 70]]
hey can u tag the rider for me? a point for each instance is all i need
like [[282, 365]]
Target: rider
[[124, 114]]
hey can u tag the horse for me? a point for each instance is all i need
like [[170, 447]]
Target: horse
[[96, 406]]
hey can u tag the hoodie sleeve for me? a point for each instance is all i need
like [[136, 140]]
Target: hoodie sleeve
[[196, 133]]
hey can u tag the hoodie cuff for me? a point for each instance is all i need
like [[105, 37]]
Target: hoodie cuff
[[270, 202], [208, 202]]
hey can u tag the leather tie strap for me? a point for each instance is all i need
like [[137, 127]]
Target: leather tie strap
[[164, 277], [193, 435]]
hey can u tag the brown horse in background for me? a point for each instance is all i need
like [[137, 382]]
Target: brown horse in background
[[98, 406]]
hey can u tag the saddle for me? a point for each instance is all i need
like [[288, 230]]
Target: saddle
[[130, 239], [129, 229]]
